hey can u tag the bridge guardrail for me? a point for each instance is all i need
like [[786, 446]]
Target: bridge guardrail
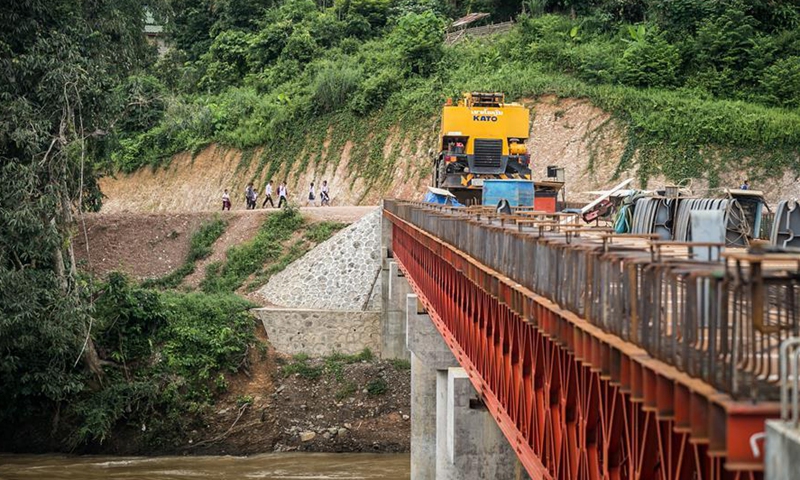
[[722, 322]]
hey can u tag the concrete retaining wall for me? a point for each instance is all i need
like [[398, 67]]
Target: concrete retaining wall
[[321, 332]]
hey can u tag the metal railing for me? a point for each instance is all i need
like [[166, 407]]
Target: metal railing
[[722, 322]]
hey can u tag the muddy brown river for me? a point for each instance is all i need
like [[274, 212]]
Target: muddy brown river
[[270, 466]]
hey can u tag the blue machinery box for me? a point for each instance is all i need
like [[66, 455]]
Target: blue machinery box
[[519, 193]]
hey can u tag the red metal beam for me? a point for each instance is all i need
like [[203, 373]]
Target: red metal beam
[[574, 401]]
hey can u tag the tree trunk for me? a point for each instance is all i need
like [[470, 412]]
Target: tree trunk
[[90, 358]]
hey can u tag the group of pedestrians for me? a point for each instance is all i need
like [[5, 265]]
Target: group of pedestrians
[[324, 195], [251, 196]]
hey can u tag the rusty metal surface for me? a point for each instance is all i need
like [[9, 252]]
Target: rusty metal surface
[[722, 323], [604, 356]]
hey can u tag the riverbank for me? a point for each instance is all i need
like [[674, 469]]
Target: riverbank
[[279, 403]]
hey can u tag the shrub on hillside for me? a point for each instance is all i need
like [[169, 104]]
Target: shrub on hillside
[[226, 60], [333, 85], [781, 83], [650, 62], [418, 41], [374, 91]]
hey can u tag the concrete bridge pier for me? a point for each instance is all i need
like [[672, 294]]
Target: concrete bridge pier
[[393, 317], [452, 434]]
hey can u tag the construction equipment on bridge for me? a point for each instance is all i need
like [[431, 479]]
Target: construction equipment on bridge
[[441, 197], [605, 356], [668, 213], [482, 137], [786, 225], [517, 193]]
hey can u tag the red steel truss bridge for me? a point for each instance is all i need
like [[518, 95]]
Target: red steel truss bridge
[[605, 356]]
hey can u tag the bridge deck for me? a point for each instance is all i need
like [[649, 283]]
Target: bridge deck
[[604, 356]]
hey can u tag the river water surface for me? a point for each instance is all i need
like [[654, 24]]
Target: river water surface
[[269, 466]]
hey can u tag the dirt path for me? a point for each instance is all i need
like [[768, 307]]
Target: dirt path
[[241, 227], [350, 214]]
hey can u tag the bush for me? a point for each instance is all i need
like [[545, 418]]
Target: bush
[[374, 91], [333, 86], [300, 46], [781, 83], [650, 62], [226, 60], [166, 353], [418, 41], [377, 387]]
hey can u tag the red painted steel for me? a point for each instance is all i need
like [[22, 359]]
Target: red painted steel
[[573, 401], [545, 204]]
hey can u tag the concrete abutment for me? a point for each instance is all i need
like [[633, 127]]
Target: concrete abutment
[[452, 434]]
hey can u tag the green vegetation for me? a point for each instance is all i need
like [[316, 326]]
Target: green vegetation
[[165, 353], [199, 248], [400, 364], [377, 386], [314, 234], [332, 365], [683, 75], [319, 232], [300, 366], [347, 390], [245, 259]]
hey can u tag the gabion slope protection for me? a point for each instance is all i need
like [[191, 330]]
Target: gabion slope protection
[[338, 274]]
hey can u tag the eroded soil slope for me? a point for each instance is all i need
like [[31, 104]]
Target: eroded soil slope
[[564, 132], [141, 245]]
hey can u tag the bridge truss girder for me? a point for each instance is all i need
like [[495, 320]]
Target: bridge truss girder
[[573, 401]]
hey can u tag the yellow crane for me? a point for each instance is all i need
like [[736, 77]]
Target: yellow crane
[[482, 137]]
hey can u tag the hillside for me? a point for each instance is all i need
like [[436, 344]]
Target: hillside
[[691, 92], [571, 133]]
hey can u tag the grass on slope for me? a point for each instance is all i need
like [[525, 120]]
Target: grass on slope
[[266, 254]]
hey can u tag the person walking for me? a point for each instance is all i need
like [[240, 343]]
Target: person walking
[[268, 195], [282, 195], [249, 196], [324, 196], [311, 196], [226, 200]]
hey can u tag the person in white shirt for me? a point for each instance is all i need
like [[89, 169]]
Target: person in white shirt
[[268, 195], [282, 195], [226, 200], [324, 197], [311, 196]]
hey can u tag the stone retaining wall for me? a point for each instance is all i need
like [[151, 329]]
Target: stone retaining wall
[[321, 332], [341, 273]]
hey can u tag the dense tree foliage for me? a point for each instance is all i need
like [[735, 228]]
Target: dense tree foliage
[[60, 62], [77, 355], [251, 82]]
